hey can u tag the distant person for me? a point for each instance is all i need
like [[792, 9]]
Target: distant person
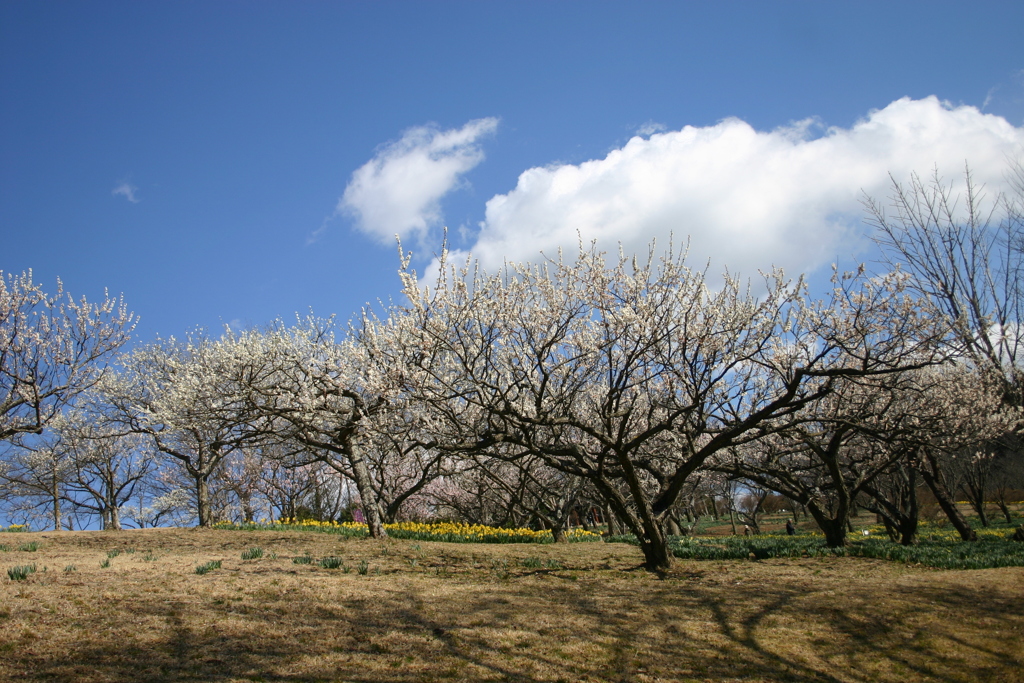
[[790, 527], [746, 530]]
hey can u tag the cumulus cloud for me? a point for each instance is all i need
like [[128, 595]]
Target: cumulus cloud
[[126, 190], [745, 199], [399, 191]]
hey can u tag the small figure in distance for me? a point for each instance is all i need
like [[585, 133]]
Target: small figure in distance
[[746, 530], [790, 527]]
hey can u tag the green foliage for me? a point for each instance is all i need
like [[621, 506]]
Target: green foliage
[[70, 568], [105, 564], [20, 573], [332, 563], [531, 563], [303, 559], [113, 553], [4, 548], [29, 547], [149, 556], [364, 567], [209, 566], [252, 554], [934, 550]]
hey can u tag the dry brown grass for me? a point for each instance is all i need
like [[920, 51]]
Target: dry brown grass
[[440, 611]]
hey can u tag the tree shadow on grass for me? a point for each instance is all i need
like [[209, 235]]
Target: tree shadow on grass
[[541, 628]]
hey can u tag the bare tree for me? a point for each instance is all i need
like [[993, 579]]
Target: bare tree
[[965, 256]]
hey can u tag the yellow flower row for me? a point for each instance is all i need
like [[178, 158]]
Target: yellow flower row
[[439, 528]]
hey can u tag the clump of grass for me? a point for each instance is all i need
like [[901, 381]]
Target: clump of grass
[[105, 564], [364, 567], [20, 573], [552, 564], [273, 555], [303, 559], [149, 556], [29, 547], [113, 553], [209, 566], [4, 548], [70, 568], [332, 563], [252, 554], [130, 551], [532, 563]]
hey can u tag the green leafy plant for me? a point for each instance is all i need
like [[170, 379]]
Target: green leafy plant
[[364, 567], [332, 563], [4, 548], [303, 559], [113, 553], [149, 556], [29, 547], [105, 564], [209, 566], [252, 554], [20, 573], [532, 563], [70, 568]]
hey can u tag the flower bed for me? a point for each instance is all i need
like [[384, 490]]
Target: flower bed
[[449, 532]]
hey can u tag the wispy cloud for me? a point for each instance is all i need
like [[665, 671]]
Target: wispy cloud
[[126, 190], [399, 191], [746, 199], [650, 128]]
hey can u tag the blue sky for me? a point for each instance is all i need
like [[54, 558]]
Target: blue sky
[[235, 162]]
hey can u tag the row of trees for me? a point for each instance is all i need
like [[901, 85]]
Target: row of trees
[[634, 393]]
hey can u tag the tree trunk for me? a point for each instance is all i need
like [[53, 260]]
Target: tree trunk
[[673, 527], [947, 503], [56, 505], [1004, 508], [366, 494], [203, 500], [558, 533], [613, 522], [657, 557], [834, 528]]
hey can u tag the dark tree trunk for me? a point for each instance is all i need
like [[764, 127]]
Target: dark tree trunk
[[834, 527], [931, 477]]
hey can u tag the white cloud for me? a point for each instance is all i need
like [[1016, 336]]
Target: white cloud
[[127, 190], [399, 191], [747, 199]]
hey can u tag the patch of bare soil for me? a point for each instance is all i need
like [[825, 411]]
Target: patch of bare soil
[[451, 612]]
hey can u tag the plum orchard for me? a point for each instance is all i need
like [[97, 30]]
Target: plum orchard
[[631, 376]]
